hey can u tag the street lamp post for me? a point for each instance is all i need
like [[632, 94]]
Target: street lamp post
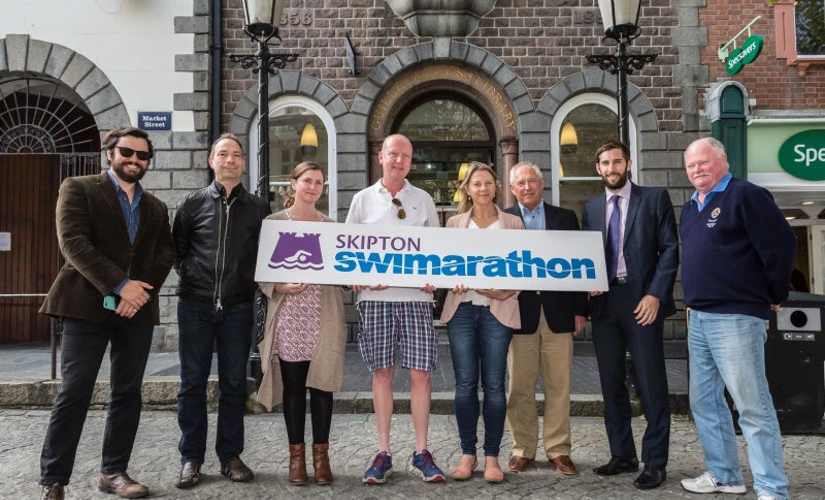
[[621, 23], [262, 18]]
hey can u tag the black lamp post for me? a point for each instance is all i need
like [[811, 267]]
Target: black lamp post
[[621, 23], [262, 18]]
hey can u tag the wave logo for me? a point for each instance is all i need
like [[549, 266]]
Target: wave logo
[[297, 252]]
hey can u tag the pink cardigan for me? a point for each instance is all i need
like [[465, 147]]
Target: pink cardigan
[[506, 311]]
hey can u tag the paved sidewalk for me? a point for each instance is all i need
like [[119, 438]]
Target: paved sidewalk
[[25, 374], [352, 445]]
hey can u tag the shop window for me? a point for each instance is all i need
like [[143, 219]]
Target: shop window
[[445, 134], [800, 33], [299, 130], [579, 128]]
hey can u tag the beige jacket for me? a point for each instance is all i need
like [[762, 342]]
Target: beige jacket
[[506, 311], [326, 369]]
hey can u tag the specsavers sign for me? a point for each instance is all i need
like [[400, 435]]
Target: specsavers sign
[[803, 155], [360, 254], [745, 54]]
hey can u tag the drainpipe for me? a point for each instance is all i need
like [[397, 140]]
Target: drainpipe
[[217, 65]]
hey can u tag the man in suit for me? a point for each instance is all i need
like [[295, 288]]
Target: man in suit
[[118, 248], [545, 341], [642, 253]]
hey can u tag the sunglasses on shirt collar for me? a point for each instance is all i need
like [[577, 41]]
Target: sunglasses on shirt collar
[[128, 152], [401, 213]]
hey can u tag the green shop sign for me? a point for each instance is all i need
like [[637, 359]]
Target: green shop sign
[[803, 155], [745, 54]]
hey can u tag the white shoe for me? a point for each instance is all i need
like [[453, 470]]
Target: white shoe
[[706, 483], [767, 497]]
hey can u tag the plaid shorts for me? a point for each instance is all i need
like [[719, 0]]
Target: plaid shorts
[[408, 325]]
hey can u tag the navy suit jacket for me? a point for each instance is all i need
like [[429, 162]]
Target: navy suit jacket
[[651, 247], [559, 307]]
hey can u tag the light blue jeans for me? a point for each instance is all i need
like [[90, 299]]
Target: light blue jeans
[[728, 350]]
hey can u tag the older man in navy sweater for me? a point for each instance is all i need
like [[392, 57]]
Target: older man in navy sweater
[[738, 252]]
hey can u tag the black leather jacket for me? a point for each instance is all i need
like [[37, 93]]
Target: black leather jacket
[[216, 244]]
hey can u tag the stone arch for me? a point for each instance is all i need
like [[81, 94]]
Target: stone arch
[[599, 81], [528, 134], [20, 54], [289, 83]]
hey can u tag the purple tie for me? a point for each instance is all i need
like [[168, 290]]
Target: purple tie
[[614, 237]]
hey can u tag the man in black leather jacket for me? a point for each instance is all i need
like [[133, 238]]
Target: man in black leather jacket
[[216, 232]]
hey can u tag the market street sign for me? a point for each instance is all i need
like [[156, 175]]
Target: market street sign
[[803, 155], [745, 54], [155, 120]]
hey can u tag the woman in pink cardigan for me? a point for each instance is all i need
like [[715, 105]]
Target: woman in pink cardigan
[[480, 324]]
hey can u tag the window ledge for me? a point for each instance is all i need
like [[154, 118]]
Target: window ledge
[[786, 39]]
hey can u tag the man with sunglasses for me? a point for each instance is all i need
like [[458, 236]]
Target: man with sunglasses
[[117, 243], [216, 231], [397, 319]]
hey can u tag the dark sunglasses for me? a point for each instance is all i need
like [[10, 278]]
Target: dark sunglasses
[[128, 152], [401, 213]]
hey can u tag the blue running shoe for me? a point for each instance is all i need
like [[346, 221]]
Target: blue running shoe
[[425, 468], [380, 469]]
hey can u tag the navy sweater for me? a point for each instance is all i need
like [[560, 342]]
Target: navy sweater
[[737, 253]]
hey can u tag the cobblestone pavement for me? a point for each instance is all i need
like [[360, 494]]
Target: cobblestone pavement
[[155, 462]]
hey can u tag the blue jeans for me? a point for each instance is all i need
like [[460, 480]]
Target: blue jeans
[[200, 326], [728, 350], [478, 338]]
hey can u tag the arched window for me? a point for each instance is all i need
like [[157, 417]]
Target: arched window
[[300, 129], [445, 132], [581, 125]]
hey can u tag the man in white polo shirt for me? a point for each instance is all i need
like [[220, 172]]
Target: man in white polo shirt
[[397, 320]]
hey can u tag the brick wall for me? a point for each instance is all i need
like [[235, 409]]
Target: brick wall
[[542, 41], [774, 84]]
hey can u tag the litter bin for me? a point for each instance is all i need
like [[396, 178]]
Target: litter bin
[[795, 364]]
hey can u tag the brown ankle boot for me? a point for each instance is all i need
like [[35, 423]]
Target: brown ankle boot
[[320, 461], [297, 464]]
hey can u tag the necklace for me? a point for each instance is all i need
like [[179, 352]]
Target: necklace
[[291, 216]]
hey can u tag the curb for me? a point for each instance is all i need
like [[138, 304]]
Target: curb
[[160, 393]]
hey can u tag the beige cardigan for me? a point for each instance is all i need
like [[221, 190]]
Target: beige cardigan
[[506, 311], [326, 369]]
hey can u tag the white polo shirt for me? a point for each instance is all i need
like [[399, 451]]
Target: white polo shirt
[[373, 205]]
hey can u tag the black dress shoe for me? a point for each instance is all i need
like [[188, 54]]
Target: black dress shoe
[[617, 465], [190, 475], [650, 478]]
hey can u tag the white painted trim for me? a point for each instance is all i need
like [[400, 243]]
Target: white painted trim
[[783, 181], [555, 131], [315, 107]]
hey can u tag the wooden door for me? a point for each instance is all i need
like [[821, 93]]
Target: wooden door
[[28, 196]]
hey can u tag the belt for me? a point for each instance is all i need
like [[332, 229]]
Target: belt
[[619, 280]]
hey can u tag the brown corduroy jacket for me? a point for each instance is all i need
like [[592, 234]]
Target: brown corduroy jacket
[[94, 240]]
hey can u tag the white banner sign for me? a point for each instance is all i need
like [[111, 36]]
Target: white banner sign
[[362, 254]]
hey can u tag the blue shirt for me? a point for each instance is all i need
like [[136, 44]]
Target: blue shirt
[[719, 188], [131, 213], [533, 220]]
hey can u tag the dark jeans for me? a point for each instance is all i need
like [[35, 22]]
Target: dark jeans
[[294, 376], [83, 346], [200, 326], [479, 340]]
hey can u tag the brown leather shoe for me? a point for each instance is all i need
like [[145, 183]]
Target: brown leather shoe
[[297, 464], [320, 461], [563, 464], [190, 475], [237, 471], [121, 484], [518, 464], [52, 492]]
